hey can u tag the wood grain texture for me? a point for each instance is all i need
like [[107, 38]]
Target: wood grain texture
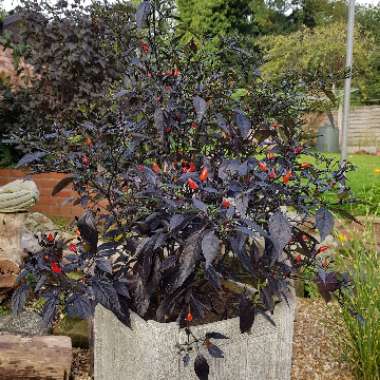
[[10, 248], [35, 358]]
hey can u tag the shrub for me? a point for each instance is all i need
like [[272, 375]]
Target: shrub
[[77, 54], [196, 194], [15, 76]]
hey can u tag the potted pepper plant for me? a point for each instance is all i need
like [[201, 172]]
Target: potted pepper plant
[[201, 202]]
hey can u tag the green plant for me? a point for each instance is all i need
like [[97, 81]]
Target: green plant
[[6, 156], [4, 310], [361, 306], [368, 197], [310, 287]]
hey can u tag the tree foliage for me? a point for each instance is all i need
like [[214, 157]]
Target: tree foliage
[[316, 56]]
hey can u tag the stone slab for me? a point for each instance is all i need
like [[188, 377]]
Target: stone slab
[[149, 350]]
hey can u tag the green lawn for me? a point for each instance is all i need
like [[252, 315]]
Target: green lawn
[[364, 182]]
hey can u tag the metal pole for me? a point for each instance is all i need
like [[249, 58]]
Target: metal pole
[[347, 82]]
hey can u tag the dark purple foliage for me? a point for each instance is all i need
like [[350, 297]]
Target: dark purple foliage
[[186, 190]]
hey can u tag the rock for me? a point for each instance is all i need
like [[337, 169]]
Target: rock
[[36, 222], [77, 329], [11, 252], [27, 323], [19, 195]]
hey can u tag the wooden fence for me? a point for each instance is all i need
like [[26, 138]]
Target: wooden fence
[[364, 129]]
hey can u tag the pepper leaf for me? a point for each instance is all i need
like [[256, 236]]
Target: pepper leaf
[[324, 221], [201, 367]]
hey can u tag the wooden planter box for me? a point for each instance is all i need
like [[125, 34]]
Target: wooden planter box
[[148, 351], [47, 204]]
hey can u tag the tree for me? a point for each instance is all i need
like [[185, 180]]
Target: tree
[[312, 13], [369, 19], [317, 56], [205, 19]]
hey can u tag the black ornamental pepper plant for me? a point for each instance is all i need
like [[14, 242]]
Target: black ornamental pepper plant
[[202, 195]]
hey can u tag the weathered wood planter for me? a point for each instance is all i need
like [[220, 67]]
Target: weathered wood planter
[[149, 352]]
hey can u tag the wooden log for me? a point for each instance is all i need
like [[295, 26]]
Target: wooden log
[[10, 248], [38, 357]]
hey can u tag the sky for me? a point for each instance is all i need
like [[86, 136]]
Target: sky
[[9, 4]]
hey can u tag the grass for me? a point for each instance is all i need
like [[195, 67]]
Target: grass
[[364, 182], [361, 308]]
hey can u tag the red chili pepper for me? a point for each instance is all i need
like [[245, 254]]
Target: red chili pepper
[[156, 168], [203, 174], [55, 267], [272, 174], [226, 203], [176, 72], [192, 184], [194, 125], [189, 317], [73, 247], [144, 47], [323, 248], [298, 259], [263, 166], [50, 238], [192, 167], [287, 177]]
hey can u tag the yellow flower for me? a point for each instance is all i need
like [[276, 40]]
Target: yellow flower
[[342, 237], [376, 171]]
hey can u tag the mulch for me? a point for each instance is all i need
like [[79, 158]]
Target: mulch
[[81, 364], [317, 346], [318, 352]]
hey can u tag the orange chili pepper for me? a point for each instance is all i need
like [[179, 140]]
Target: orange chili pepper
[[203, 174], [156, 167]]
